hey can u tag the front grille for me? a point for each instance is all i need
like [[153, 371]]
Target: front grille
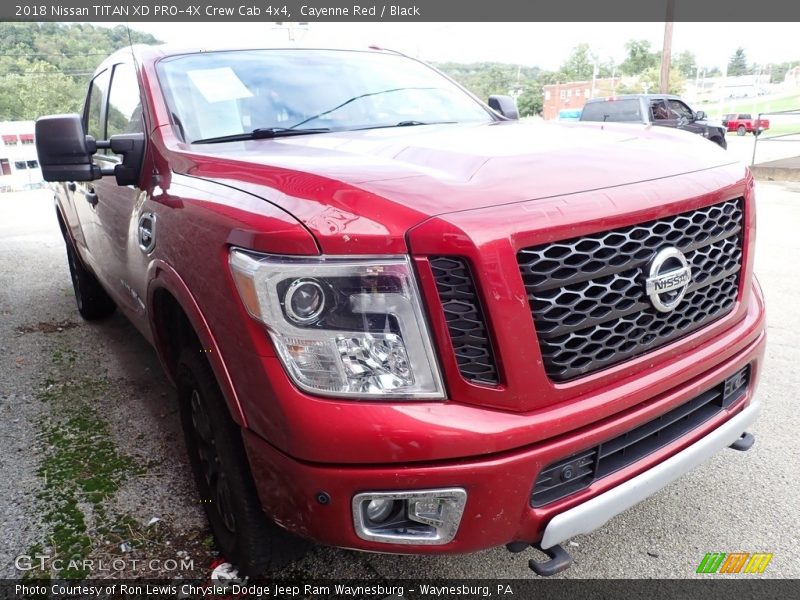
[[577, 472], [587, 294], [465, 320]]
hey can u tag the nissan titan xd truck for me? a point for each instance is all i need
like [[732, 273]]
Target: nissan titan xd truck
[[400, 319]]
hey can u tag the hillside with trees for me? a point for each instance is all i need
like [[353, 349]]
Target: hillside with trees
[[45, 67]]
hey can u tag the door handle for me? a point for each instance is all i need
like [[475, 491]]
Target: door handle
[[91, 197], [71, 186]]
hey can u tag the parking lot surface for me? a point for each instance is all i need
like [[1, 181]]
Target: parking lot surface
[[71, 392]]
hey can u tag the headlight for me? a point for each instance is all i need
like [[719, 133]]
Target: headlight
[[342, 326]]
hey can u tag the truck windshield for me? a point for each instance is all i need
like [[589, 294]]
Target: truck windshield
[[216, 96]]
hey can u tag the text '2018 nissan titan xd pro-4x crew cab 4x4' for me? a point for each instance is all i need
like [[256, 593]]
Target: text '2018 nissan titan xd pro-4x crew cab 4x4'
[[401, 321]]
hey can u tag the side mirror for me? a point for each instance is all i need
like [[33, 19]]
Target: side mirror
[[505, 105], [64, 154], [699, 115]]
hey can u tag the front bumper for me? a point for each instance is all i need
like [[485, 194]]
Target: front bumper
[[499, 485], [596, 512]]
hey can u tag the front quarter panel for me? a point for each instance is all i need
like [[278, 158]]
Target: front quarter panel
[[197, 222]]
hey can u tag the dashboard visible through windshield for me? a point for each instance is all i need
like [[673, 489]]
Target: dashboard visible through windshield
[[226, 96]]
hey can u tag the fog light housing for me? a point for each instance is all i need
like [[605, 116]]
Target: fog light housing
[[409, 517]]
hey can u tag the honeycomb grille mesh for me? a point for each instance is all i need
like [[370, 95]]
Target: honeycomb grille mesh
[[465, 320], [587, 294]]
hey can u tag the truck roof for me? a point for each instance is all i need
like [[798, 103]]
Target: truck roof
[[635, 96]]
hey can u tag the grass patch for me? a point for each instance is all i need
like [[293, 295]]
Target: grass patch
[[81, 466], [751, 105]]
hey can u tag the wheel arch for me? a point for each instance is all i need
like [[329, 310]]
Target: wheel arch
[[176, 321]]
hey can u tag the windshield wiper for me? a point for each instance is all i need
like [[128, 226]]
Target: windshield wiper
[[413, 123], [260, 134], [406, 124], [359, 97]]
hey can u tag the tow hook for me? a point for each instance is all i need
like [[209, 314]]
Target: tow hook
[[560, 560], [744, 443]]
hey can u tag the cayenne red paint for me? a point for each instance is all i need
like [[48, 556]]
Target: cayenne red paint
[[477, 191]]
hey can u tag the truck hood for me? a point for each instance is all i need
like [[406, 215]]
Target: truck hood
[[381, 182]]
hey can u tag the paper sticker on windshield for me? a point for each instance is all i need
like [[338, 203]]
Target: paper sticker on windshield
[[219, 85]]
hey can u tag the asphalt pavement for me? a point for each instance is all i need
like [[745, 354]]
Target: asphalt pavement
[[736, 502]]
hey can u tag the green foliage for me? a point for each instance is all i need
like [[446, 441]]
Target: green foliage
[[579, 66], [485, 79], [45, 67], [738, 63], [651, 80], [778, 73], [639, 57], [685, 63]]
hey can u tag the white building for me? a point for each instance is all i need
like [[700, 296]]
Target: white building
[[19, 164]]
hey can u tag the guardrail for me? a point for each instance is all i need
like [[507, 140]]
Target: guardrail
[[781, 137]]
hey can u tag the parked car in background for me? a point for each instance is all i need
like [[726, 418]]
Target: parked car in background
[[401, 321], [743, 123], [653, 109], [569, 114]]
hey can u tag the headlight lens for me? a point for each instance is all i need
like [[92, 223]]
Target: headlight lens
[[342, 326]]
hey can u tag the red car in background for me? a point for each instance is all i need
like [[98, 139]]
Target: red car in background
[[397, 319], [743, 123]]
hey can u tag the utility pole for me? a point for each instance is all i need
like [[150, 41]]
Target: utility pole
[[666, 50]]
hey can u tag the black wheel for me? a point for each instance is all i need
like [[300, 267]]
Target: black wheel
[[93, 301], [244, 534], [741, 130], [756, 132]]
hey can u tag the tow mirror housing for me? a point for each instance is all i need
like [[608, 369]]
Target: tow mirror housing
[[65, 151]]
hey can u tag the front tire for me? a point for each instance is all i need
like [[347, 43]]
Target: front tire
[[244, 534], [741, 130], [93, 301]]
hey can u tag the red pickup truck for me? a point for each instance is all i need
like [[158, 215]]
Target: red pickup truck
[[743, 123], [399, 320]]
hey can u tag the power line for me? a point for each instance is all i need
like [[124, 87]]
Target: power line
[[59, 54], [50, 73]]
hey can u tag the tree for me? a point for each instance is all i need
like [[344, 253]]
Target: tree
[[41, 90], [778, 72], [45, 67], [580, 64], [738, 63], [531, 101], [639, 58], [685, 63], [651, 80]]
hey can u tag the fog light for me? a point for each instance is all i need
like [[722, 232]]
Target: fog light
[[379, 509], [409, 517]]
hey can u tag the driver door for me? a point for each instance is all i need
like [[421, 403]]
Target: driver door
[[119, 261]]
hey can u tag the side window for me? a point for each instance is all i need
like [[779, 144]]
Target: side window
[[680, 109], [658, 111], [94, 109], [124, 102]]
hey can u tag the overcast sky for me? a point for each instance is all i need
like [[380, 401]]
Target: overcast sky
[[542, 44]]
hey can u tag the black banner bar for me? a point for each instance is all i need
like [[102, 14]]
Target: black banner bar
[[709, 588], [403, 10]]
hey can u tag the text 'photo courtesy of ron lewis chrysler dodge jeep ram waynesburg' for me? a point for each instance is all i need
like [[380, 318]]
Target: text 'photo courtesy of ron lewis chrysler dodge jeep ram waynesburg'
[[398, 318]]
